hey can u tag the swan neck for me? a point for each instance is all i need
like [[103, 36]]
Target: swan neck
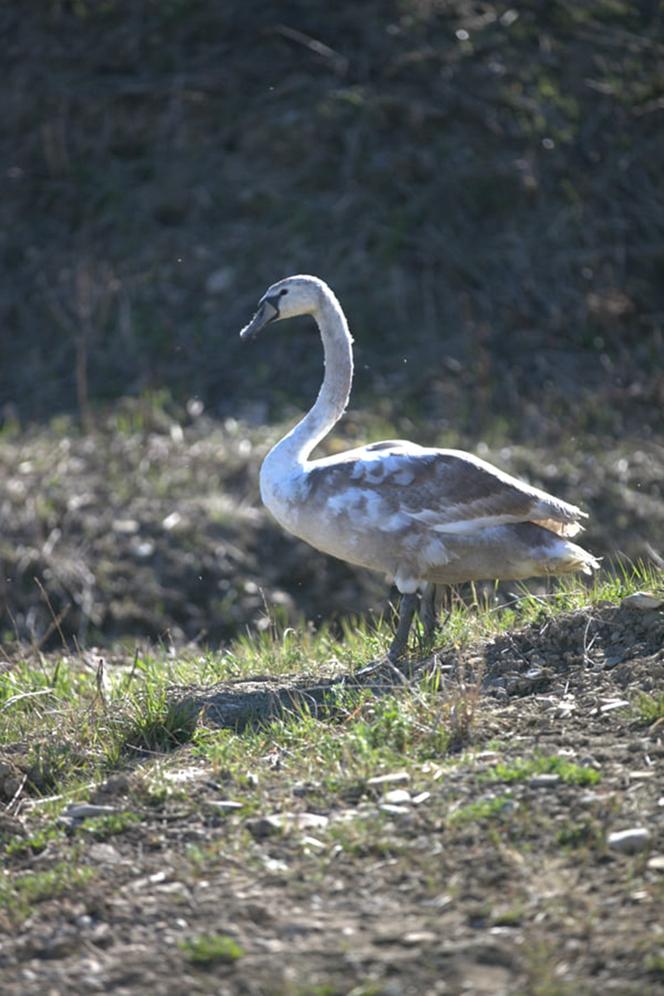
[[335, 390]]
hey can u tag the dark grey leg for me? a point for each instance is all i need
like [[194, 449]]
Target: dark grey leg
[[428, 611], [407, 608]]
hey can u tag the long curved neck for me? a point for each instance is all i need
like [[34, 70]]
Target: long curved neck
[[335, 389]]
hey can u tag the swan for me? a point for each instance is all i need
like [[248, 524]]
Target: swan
[[420, 516]]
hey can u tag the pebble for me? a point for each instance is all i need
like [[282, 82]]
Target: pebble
[[656, 863], [612, 704], [104, 854], [643, 600], [114, 785], [629, 841], [75, 812], [422, 797], [393, 776], [267, 826], [544, 780], [313, 842], [393, 810], [417, 937], [397, 796]]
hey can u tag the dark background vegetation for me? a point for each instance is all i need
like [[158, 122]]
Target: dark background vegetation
[[480, 183]]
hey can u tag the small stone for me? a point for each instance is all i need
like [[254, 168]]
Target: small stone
[[612, 704], [656, 863], [629, 841], [643, 600], [313, 842], [262, 827], [393, 810], [76, 811], [171, 521], [225, 805], [114, 785], [184, 774], [268, 826], [420, 798], [173, 889], [104, 854], [393, 776], [305, 821], [125, 526], [544, 780], [397, 796], [274, 865], [417, 937]]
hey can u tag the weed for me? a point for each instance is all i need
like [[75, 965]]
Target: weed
[[367, 836], [210, 949], [18, 895], [649, 708], [525, 768], [654, 965], [160, 725], [102, 827], [509, 917], [485, 809], [35, 843], [585, 833]]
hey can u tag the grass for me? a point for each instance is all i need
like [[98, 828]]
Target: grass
[[482, 810], [19, 894], [211, 949], [34, 843], [67, 728], [84, 726], [582, 833], [103, 827], [649, 709], [367, 737], [526, 768]]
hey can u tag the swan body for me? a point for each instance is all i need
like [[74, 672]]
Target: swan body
[[418, 515]]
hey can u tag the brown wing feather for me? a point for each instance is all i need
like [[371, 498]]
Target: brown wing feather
[[443, 487], [460, 487]]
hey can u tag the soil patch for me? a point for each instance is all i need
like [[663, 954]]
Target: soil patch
[[493, 872]]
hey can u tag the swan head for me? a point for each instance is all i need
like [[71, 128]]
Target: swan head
[[299, 295]]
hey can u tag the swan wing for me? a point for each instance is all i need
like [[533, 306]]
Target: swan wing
[[447, 491]]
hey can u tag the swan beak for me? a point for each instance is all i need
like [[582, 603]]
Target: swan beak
[[265, 314]]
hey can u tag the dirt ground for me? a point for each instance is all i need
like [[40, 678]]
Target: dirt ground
[[472, 880], [152, 529]]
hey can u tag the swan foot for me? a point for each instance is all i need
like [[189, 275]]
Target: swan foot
[[383, 667], [409, 604]]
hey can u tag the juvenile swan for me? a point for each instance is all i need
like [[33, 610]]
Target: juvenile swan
[[420, 516]]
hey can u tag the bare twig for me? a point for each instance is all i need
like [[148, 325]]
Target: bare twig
[[25, 695], [338, 61], [14, 799], [56, 619]]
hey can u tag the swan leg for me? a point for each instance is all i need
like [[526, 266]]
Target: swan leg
[[407, 608], [428, 610]]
